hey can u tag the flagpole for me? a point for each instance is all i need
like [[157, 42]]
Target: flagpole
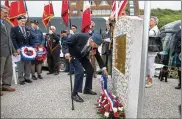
[[69, 14], [143, 68]]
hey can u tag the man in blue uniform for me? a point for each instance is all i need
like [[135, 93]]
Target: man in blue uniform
[[37, 40]]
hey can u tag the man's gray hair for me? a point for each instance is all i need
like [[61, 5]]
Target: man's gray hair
[[4, 7], [156, 19]]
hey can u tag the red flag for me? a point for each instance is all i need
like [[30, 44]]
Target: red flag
[[122, 6], [86, 19], [113, 11], [48, 14], [16, 9], [6, 3], [65, 11]]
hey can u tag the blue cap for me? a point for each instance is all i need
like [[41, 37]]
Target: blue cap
[[96, 38]]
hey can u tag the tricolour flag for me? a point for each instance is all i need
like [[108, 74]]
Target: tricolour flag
[[122, 6], [86, 19], [65, 11], [113, 11]]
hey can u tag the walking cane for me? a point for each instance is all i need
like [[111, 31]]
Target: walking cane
[[71, 87]]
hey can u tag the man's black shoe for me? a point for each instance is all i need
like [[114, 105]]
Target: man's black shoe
[[49, 73], [34, 77], [22, 82], [40, 77], [88, 91], [70, 73], [28, 81], [77, 98], [178, 87], [56, 73]]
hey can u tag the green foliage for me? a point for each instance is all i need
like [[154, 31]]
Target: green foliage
[[165, 15]]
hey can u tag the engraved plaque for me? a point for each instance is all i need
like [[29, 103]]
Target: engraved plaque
[[120, 53]]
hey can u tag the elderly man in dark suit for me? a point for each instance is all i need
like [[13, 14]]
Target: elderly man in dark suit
[[79, 48], [7, 50], [21, 36]]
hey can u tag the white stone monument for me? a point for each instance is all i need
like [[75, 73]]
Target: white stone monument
[[125, 81]]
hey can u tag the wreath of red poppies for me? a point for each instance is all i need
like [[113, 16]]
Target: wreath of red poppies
[[41, 53]]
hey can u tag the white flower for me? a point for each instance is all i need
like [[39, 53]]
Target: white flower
[[120, 108], [99, 105], [106, 114], [104, 97], [115, 109], [103, 101], [114, 96]]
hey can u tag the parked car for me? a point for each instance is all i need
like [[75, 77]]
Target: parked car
[[167, 34]]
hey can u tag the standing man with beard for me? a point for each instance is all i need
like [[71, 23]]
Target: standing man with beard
[[53, 48], [37, 40], [21, 36]]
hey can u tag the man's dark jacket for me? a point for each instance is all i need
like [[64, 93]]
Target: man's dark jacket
[[18, 38], [77, 42]]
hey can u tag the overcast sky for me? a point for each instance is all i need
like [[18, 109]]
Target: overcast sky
[[35, 8]]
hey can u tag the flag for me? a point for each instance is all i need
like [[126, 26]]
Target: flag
[[48, 14], [6, 3], [17, 8], [113, 11], [86, 19], [65, 11], [122, 6]]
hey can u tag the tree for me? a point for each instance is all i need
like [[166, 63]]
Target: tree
[[165, 16]]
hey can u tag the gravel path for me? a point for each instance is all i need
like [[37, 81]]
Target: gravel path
[[50, 98]]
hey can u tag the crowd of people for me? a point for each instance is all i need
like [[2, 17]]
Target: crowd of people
[[79, 50]]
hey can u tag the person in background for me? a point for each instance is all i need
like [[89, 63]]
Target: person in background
[[106, 52], [176, 57], [73, 29], [65, 48], [53, 48], [153, 31], [37, 40], [7, 50], [21, 36]]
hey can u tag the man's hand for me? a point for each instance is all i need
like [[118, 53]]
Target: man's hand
[[35, 49], [15, 54], [67, 56], [106, 73], [50, 32], [18, 51]]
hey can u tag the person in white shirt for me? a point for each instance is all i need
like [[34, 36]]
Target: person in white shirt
[[153, 31]]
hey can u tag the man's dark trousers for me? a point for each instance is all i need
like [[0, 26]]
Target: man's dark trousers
[[78, 65]]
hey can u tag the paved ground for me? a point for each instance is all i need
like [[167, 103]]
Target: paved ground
[[50, 98], [162, 100]]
